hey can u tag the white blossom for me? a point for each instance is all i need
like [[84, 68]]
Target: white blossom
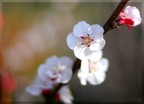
[[56, 69], [93, 71], [86, 40]]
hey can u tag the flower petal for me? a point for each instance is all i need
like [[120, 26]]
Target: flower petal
[[83, 82], [82, 77], [137, 21], [51, 61], [80, 28], [131, 12], [38, 85], [66, 76], [84, 66], [66, 61], [91, 79], [79, 51], [65, 95], [96, 31], [95, 56], [96, 78], [103, 64], [98, 45], [33, 90], [71, 40], [100, 77], [41, 72]]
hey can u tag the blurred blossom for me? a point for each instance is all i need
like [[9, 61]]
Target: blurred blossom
[[24, 51], [65, 95], [8, 83], [12, 59], [39, 38], [130, 16], [93, 71], [45, 87], [86, 40], [38, 85], [57, 69]]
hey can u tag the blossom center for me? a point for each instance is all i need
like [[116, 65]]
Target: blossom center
[[91, 66], [86, 40], [58, 69]]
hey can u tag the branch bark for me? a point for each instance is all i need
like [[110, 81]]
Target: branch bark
[[108, 26]]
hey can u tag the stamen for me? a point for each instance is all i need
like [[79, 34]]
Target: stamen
[[86, 40], [82, 37]]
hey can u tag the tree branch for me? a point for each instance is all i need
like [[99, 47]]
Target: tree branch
[[108, 26]]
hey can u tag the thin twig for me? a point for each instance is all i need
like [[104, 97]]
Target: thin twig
[[108, 26]]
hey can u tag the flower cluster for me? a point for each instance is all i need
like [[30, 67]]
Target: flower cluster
[[93, 71], [87, 42], [55, 70], [130, 16]]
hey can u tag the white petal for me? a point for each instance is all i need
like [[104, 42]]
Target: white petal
[[36, 87], [98, 45], [65, 95], [96, 78], [137, 21], [80, 28], [42, 72], [131, 12], [95, 56], [33, 90], [84, 66], [96, 31], [51, 61], [83, 82], [91, 79], [49, 74], [71, 40], [48, 84], [100, 77], [103, 64], [66, 76], [79, 51], [82, 77], [67, 61]]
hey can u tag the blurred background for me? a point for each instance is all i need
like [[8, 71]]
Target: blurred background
[[33, 31]]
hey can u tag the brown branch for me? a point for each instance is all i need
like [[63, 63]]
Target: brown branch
[[108, 26]]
